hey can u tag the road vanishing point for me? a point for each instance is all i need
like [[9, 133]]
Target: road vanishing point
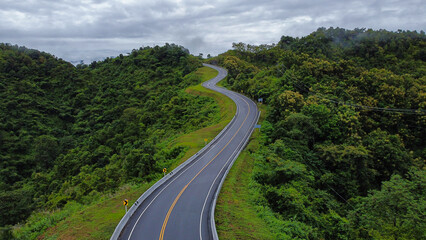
[[180, 208]]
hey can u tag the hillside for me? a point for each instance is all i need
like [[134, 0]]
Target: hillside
[[72, 134], [340, 155], [341, 152]]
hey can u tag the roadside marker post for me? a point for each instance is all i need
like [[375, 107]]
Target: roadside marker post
[[164, 171], [125, 203], [257, 126], [205, 141]]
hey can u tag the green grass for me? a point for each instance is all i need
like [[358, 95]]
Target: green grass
[[206, 73], [236, 215], [98, 221], [227, 109]]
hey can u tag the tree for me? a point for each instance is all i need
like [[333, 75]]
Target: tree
[[394, 212], [349, 167], [45, 151], [388, 154], [297, 127], [286, 103], [15, 205]]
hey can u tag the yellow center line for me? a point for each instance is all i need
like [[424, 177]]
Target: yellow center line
[[163, 228]]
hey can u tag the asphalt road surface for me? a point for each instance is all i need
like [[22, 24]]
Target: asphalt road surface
[[180, 208]]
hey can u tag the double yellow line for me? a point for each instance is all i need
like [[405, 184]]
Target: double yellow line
[[163, 228]]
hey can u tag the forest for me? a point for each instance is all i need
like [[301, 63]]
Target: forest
[[71, 133], [342, 152]]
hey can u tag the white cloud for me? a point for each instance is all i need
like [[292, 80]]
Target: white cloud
[[93, 29]]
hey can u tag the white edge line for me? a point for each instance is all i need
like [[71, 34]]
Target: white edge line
[[214, 181], [213, 205], [192, 164], [189, 161]]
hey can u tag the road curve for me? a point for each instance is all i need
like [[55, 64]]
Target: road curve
[[180, 207]]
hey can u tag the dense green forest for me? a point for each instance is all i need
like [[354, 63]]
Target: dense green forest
[[342, 153], [70, 133], [343, 148]]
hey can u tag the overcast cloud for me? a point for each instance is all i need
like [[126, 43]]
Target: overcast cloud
[[95, 29]]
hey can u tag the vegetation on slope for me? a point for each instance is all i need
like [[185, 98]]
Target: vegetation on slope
[[70, 135], [236, 216], [341, 153], [342, 150], [99, 219]]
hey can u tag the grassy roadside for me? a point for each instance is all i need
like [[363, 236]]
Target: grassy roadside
[[227, 109], [98, 220], [236, 216]]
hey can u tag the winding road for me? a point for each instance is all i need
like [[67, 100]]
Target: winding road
[[180, 208]]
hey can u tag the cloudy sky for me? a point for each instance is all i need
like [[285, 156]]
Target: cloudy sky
[[95, 29]]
